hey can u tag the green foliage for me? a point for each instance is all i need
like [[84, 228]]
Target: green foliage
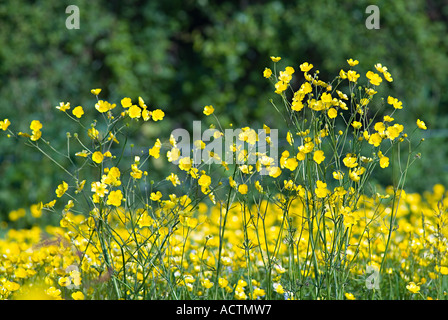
[[182, 55]]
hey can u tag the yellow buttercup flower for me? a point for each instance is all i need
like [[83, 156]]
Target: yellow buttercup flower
[[95, 91], [115, 198], [5, 124], [352, 62], [63, 106], [412, 287], [267, 73], [78, 112], [62, 188], [242, 188], [158, 115], [305, 67], [97, 157], [275, 59], [135, 112], [208, 110], [421, 124], [318, 156]]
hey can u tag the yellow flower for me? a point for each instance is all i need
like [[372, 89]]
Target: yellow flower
[[35, 125], [421, 124], [350, 161], [206, 283], [104, 106], [242, 188], [115, 198], [208, 110], [375, 139], [413, 287], [275, 59], [135, 111], [397, 104], [352, 62], [126, 102], [321, 189], [332, 113], [63, 106], [267, 73], [95, 91], [185, 163], [291, 164], [374, 78], [318, 156], [78, 295], [204, 181], [4, 124], [305, 67], [338, 175], [155, 150], [155, 196], [384, 162], [99, 188], [97, 157], [394, 131], [64, 281], [157, 115], [36, 135], [62, 188], [356, 124], [352, 76], [349, 296], [78, 112], [174, 179]]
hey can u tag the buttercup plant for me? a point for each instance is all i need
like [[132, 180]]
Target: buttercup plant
[[242, 224]]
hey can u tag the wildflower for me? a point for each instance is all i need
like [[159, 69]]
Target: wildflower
[[318, 156], [384, 162], [63, 106], [374, 78], [78, 295], [206, 283], [135, 112], [349, 296], [356, 124], [115, 198], [375, 139], [204, 181], [352, 62], [208, 110], [321, 189], [395, 102], [5, 124], [99, 188], [278, 288], [97, 157], [104, 106], [284, 77], [352, 76], [242, 188], [185, 163], [421, 124], [35, 125], [332, 113], [53, 293], [78, 112], [36, 135], [388, 76], [155, 150], [155, 196], [267, 73], [174, 179], [338, 175], [275, 59], [64, 281], [412, 287], [305, 67], [350, 161], [126, 102], [62, 188], [95, 91], [93, 133], [158, 115], [291, 164], [394, 131]]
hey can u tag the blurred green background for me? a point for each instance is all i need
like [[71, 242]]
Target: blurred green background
[[181, 55]]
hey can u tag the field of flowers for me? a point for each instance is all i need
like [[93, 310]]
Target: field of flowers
[[309, 224]]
